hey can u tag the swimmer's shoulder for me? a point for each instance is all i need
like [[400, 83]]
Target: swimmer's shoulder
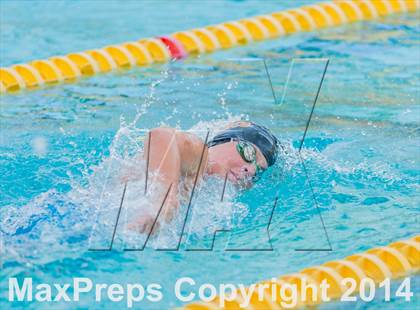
[[191, 147], [189, 142]]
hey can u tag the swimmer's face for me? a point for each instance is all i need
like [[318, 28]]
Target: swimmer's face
[[226, 160]]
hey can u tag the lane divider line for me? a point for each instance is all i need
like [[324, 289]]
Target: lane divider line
[[394, 261], [279, 27], [20, 81], [175, 48], [356, 9], [75, 70], [321, 10], [403, 6], [197, 41], [245, 32], [33, 71], [198, 45], [211, 37], [143, 50], [110, 61], [388, 6], [260, 26], [371, 8], [338, 11], [296, 25], [308, 17]]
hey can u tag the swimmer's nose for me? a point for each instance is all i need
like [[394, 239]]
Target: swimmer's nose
[[248, 172]]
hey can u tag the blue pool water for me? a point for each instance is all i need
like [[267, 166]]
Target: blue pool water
[[62, 149]]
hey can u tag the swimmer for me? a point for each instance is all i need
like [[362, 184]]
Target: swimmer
[[240, 153]]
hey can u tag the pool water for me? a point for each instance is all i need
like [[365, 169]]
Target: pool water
[[63, 148]]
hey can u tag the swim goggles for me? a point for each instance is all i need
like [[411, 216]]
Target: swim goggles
[[249, 154]]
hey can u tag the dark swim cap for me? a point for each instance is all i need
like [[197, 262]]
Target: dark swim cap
[[258, 135]]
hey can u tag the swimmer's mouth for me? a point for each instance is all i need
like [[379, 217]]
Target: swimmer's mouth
[[241, 182], [233, 177]]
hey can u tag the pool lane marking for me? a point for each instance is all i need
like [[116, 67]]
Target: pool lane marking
[[161, 46], [196, 39], [296, 25], [329, 271], [129, 55], [20, 81], [355, 263], [108, 58], [211, 36], [299, 275], [193, 37], [243, 29], [371, 8], [90, 60], [338, 10], [125, 52], [356, 9], [351, 265], [321, 10], [143, 50], [375, 260], [259, 25], [70, 63], [34, 72], [307, 16], [229, 34], [388, 6], [412, 243], [397, 254], [175, 47], [55, 69], [279, 27], [403, 5], [333, 12]]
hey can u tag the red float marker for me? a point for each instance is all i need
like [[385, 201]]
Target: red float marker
[[175, 47]]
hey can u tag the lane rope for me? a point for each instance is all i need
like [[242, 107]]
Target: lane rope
[[197, 41], [394, 261]]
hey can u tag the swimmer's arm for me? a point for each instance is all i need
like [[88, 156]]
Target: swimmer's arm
[[172, 154], [165, 165], [165, 160]]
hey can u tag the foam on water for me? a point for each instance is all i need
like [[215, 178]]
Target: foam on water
[[61, 170], [68, 224]]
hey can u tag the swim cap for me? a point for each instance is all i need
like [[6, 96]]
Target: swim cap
[[258, 135]]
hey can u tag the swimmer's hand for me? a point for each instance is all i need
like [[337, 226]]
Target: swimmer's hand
[[151, 223], [128, 176], [145, 224]]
